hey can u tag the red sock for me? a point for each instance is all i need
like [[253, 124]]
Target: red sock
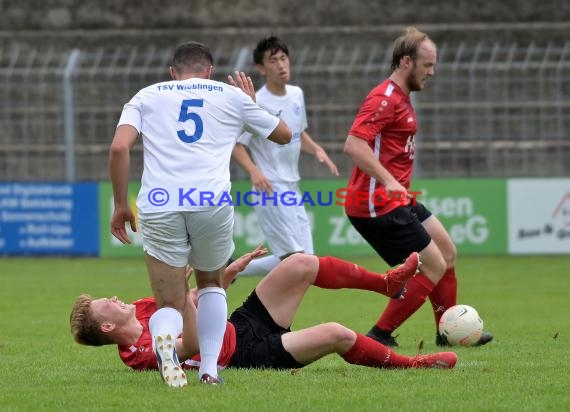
[[336, 273], [444, 295], [418, 289], [368, 352]]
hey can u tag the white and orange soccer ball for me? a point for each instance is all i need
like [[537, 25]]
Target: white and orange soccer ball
[[461, 325]]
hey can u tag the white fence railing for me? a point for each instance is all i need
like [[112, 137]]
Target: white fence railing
[[491, 110]]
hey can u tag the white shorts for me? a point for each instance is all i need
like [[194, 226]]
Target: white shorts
[[287, 229], [203, 239]]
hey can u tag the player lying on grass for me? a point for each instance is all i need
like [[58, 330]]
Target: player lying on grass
[[258, 333]]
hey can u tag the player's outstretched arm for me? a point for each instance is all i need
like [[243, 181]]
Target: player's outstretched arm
[[281, 134], [230, 273], [240, 264], [308, 145], [119, 165], [258, 179]]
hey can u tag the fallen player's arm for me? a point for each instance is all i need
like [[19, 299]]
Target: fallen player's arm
[[230, 273], [240, 264]]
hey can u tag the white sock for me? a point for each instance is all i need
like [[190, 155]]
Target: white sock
[[261, 266], [165, 321], [212, 316]]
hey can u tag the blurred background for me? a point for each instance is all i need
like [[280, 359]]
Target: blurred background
[[498, 107]]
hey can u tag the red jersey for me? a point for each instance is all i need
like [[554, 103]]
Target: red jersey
[[140, 355], [386, 120]]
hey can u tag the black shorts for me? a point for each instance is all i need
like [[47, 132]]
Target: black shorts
[[396, 234], [258, 338]]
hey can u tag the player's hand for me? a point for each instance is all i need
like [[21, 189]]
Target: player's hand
[[244, 82], [322, 157], [260, 182], [259, 251], [241, 263], [121, 215], [395, 190]]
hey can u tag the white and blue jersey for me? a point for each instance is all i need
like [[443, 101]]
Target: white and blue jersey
[[189, 129], [280, 163]]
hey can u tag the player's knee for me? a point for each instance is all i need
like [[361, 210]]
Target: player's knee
[[449, 255], [305, 265], [434, 268], [340, 335], [448, 251]]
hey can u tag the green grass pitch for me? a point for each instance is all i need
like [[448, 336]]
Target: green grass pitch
[[524, 301]]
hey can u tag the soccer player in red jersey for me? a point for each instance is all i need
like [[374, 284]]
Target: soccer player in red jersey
[[258, 333], [381, 144]]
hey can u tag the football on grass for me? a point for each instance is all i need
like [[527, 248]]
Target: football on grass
[[461, 325]]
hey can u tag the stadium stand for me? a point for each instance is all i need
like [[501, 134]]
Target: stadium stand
[[498, 106]]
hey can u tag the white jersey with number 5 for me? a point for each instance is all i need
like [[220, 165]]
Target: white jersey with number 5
[[189, 129]]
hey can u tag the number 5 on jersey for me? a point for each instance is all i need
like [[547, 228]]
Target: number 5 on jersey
[[186, 115]]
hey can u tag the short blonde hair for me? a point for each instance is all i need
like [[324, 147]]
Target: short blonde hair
[[407, 45], [86, 330]]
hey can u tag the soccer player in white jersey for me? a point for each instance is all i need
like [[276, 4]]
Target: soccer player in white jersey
[[274, 169], [189, 126]]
